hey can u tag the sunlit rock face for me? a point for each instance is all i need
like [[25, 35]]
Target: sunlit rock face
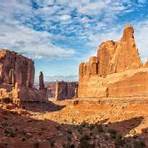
[[116, 71], [17, 77]]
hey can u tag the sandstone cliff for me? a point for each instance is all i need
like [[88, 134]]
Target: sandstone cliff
[[116, 71], [17, 78], [65, 90], [15, 68]]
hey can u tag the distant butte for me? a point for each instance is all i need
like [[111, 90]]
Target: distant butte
[[116, 71]]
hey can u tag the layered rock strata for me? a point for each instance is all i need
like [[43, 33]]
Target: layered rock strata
[[17, 78], [116, 71]]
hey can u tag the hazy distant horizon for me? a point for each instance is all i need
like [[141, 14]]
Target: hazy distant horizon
[[70, 78]]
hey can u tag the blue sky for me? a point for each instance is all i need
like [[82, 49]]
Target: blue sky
[[59, 34]]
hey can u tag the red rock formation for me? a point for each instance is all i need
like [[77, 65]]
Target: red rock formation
[[16, 67], [89, 68], [51, 89], [135, 85], [119, 56], [65, 90], [105, 56], [17, 78], [41, 81], [115, 59]]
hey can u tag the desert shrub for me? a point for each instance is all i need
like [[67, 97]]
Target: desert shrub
[[119, 142], [113, 133], [76, 102], [36, 145], [100, 128], [4, 124], [68, 145], [58, 127], [69, 131], [23, 139], [80, 130], [7, 100], [84, 142], [52, 143], [72, 146], [84, 124], [9, 132], [69, 138], [90, 126], [139, 144]]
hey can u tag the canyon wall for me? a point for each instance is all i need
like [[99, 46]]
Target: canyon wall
[[17, 78], [51, 87], [116, 71], [65, 90], [15, 68]]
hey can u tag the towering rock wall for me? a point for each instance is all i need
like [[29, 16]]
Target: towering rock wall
[[17, 78], [51, 89], [110, 71], [15, 68]]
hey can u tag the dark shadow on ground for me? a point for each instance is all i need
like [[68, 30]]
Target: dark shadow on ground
[[41, 107], [125, 126], [21, 131]]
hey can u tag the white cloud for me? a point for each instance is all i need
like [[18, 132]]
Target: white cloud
[[28, 41], [65, 17], [141, 32], [39, 44], [92, 8], [20, 38], [97, 39]]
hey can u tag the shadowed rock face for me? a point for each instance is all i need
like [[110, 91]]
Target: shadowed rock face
[[17, 78], [41, 81], [117, 60], [15, 68], [66, 90]]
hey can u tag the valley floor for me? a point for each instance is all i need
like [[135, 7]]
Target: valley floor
[[90, 122]]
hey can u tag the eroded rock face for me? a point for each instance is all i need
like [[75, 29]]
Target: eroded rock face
[[17, 77], [126, 55], [41, 81], [113, 59], [16, 68], [51, 87], [66, 90]]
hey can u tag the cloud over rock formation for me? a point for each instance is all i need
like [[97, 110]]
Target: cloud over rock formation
[[116, 71]]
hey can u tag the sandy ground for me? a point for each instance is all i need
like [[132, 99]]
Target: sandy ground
[[42, 122]]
